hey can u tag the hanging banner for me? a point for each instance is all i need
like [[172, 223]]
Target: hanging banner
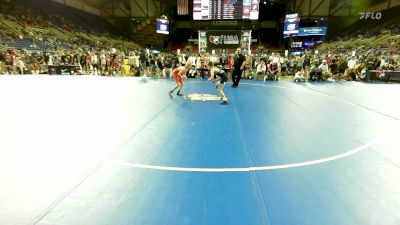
[[309, 31], [223, 39], [297, 45], [309, 44]]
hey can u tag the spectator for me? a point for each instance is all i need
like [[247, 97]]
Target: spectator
[[299, 76], [2, 62], [272, 71], [19, 64], [326, 73], [261, 68]]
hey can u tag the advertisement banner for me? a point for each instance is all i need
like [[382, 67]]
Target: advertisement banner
[[386, 76], [309, 31], [309, 44], [223, 39], [291, 16], [297, 45]]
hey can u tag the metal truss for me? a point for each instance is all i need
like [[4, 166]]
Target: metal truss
[[332, 8], [135, 9], [325, 8]]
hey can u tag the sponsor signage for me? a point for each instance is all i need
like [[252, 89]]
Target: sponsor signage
[[309, 44], [297, 44], [297, 53], [291, 16], [225, 22], [223, 39], [309, 31], [303, 45], [193, 40]]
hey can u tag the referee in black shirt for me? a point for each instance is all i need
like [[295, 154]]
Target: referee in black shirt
[[238, 66]]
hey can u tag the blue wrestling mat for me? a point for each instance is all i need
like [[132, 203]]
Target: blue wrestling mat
[[116, 151]]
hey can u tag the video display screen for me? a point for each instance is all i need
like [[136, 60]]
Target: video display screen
[[297, 45], [291, 25], [312, 31], [162, 26], [225, 9]]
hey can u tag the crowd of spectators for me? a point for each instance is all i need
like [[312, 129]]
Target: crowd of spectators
[[100, 59], [24, 32], [350, 65]]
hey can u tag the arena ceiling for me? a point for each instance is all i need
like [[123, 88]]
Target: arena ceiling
[[130, 8], [138, 16], [340, 8], [121, 8], [105, 2], [155, 8]]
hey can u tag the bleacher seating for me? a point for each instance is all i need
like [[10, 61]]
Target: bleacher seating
[[390, 20], [27, 25]]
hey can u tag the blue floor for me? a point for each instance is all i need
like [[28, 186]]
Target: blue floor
[[96, 150]]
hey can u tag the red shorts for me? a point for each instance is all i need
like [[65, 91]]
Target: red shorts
[[178, 79]]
